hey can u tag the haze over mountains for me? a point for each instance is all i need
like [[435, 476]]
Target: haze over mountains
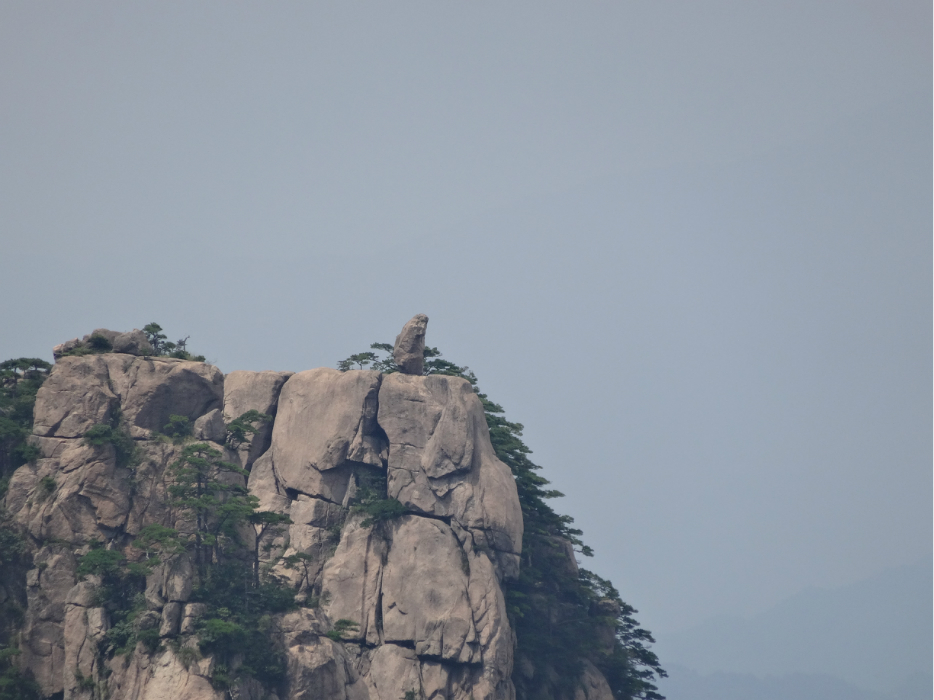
[[685, 684], [866, 641]]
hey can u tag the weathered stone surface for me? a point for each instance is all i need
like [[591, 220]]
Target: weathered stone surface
[[67, 346], [171, 619], [72, 496], [48, 588], [83, 593], [393, 672], [593, 685], [266, 485], [211, 427], [409, 350], [456, 611], [76, 396], [147, 620], [190, 616], [310, 534], [83, 391], [441, 461], [326, 422], [154, 588], [434, 615], [179, 576], [161, 677], [253, 391], [84, 628], [317, 666], [81, 659], [494, 634], [352, 579], [76, 493], [134, 342]]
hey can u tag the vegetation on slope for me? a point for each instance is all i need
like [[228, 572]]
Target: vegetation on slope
[[20, 379], [562, 615], [214, 510]]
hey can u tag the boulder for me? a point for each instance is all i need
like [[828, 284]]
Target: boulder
[[102, 340], [409, 350], [134, 342], [211, 427]]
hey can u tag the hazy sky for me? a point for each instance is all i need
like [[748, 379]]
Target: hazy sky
[[688, 245]]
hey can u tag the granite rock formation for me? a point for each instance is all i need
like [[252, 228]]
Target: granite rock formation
[[422, 591], [409, 350]]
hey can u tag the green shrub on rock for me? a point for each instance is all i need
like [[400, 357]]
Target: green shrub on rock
[[20, 379], [115, 433], [13, 684]]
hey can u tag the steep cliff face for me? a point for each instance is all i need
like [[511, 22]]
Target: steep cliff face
[[409, 605]]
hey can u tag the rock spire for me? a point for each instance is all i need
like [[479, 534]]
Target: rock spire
[[409, 350]]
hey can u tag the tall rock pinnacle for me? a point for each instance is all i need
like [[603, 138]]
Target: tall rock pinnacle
[[409, 350]]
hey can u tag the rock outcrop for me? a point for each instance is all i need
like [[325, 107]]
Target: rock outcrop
[[419, 592], [409, 350], [84, 391], [133, 342], [426, 439]]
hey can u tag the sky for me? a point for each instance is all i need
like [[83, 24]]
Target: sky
[[687, 245]]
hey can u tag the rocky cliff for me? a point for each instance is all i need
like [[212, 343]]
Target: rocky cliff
[[394, 601]]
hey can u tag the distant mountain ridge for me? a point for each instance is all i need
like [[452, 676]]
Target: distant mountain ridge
[[874, 634]]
